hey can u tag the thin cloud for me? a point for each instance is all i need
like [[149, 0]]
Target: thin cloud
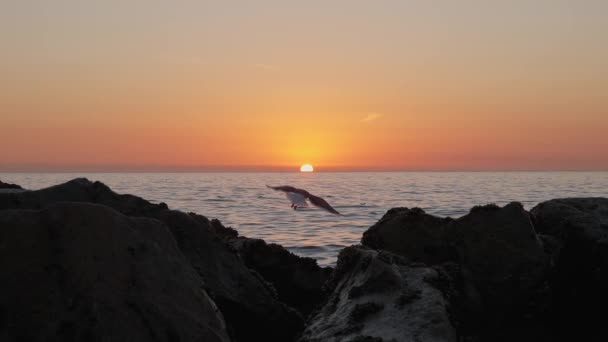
[[371, 117]]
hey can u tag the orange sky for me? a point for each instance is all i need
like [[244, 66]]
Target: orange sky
[[386, 85]]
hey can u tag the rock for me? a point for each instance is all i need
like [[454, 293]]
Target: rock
[[248, 303], [298, 280], [580, 218], [9, 186], [81, 190], [507, 261], [218, 228], [576, 231], [379, 296], [84, 272], [501, 264], [414, 234]]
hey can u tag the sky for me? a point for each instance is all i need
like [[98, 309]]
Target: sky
[[270, 85]]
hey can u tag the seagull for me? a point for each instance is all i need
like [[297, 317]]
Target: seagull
[[298, 198]]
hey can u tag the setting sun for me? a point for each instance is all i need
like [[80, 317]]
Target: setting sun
[[306, 168]]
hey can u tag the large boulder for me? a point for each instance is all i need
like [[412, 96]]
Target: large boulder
[[84, 272], [500, 249], [496, 260], [298, 280], [249, 304], [379, 296], [577, 229], [581, 218], [414, 234]]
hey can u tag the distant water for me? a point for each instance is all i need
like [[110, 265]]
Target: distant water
[[242, 201]]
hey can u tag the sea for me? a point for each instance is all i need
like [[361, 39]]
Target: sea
[[242, 201]]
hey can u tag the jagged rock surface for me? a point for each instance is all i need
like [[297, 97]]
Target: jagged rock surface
[[379, 296], [298, 280], [248, 303], [83, 271], [501, 265]]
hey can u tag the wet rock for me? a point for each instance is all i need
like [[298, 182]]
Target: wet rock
[[576, 235], [84, 272], [298, 280], [249, 304], [379, 296]]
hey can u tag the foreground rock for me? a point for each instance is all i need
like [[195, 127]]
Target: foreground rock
[[414, 234], [121, 268], [249, 304], [8, 187], [298, 280], [496, 262], [576, 230], [84, 272], [378, 296]]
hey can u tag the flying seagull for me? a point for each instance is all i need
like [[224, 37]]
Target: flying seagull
[[298, 198]]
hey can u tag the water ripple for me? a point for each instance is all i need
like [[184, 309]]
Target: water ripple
[[241, 200]]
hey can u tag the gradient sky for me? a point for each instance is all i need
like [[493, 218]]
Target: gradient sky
[[398, 85]]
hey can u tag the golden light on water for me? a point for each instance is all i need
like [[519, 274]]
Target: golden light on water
[[306, 168]]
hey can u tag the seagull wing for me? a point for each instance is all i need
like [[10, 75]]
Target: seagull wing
[[295, 194], [321, 203], [296, 199], [287, 188]]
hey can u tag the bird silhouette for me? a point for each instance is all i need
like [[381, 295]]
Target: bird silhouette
[[298, 198]]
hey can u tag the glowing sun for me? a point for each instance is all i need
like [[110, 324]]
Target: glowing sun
[[306, 168]]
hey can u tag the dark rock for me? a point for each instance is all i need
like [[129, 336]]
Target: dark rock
[[9, 186], [581, 218], [395, 301], [366, 339], [84, 272], [249, 304], [500, 249], [499, 262], [575, 232], [297, 280], [218, 228], [361, 311], [412, 233]]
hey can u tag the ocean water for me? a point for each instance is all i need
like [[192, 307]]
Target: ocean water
[[242, 201]]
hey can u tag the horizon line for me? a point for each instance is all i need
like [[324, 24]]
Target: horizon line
[[271, 170]]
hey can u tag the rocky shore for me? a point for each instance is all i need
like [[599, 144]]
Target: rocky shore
[[82, 263]]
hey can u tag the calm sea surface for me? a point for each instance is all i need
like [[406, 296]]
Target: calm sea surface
[[242, 201]]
